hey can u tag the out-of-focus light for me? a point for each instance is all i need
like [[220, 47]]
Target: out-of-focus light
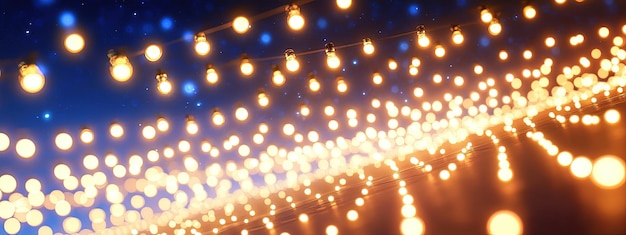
[[294, 18], [504, 222], [332, 60], [153, 52], [485, 15], [116, 130], [164, 86], [31, 78], [25, 148], [344, 4], [241, 24], [332, 230], [440, 51], [457, 36], [393, 65], [342, 86], [612, 116], [191, 125], [121, 69], [246, 67], [422, 38], [412, 226], [63, 141], [278, 79], [550, 42], [162, 124], [291, 62], [560, 1], [368, 47], [377, 79], [529, 12], [241, 113], [86, 136], [263, 100], [218, 118], [495, 28], [211, 75], [314, 84], [201, 45], [581, 167], [603, 32], [503, 55], [608, 172], [74, 43]]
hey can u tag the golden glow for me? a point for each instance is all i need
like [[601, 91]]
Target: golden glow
[[163, 125], [495, 28], [121, 69], [25, 148], [218, 118], [164, 86], [603, 32], [74, 43], [246, 67], [201, 45], [486, 16], [608, 172], [294, 18], [262, 99], [241, 114], [377, 79], [332, 230], [63, 141], [368, 47], [530, 12], [344, 4], [291, 63], [31, 78], [314, 85], [504, 222], [211, 75], [90, 162], [191, 126], [412, 226], [440, 51], [5, 142], [148, 132], [392, 64], [303, 218], [278, 79], [86, 136], [422, 38], [503, 55], [8, 184], [550, 42], [581, 167], [457, 36], [153, 53], [612, 116], [116, 130], [352, 215], [241, 24], [342, 86]]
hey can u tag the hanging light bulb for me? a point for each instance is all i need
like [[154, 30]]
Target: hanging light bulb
[[241, 24], [191, 125], [164, 86], [368, 47], [332, 60], [121, 69], [342, 86], [278, 79], [377, 79], [314, 84], [457, 36], [31, 78], [292, 63], [529, 12], [246, 67], [211, 74], [202, 46], [262, 98], [153, 53], [485, 15], [218, 118], [344, 4], [294, 18], [440, 51], [422, 39], [495, 27]]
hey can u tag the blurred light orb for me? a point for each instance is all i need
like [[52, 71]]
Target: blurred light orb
[[246, 67], [12, 226], [25, 148], [608, 172], [377, 79], [116, 130], [148, 132], [202, 46], [278, 79], [241, 24], [303, 218], [121, 69], [218, 118], [368, 47], [344, 4], [495, 28], [241, 114], [529, 12], [352, 215], [440, 51], [90, 162], [74, 43], [63, 141], [295, 20], [8, 184], [612, 116], [31, 78], [86, 136], [564, 158], [412, 226], [408, 210], [292, 65], [486, 16], [504, 222], [444, 175], [71, 225], [457, 37], [211, 76], [163, 125], [153, 53], [550, 42], [333, 61], [5, 142], [332, 230], [505, 174], [581, 167]]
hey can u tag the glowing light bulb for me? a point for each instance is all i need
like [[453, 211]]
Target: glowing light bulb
[[191, 126], [294, 18], [246, 67], [422, 38], [344, 4], [211, 75], [164, 86], [218, 118], [162, 124], [31, 78], [485, 15], [495, 27], [530, 12], [368, 47], [278, 79], [153, 53], [457, 36], [332, 60], [201, 46], [342, 86], [314, 85], [121, 69], [377, 79], [393, 65], [241, 114], [291, 63], [74, 43], [86, 136], [263, 99], [241, 24], [116, 130], [440, 51]]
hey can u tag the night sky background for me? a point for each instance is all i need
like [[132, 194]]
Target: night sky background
[[79, 91]]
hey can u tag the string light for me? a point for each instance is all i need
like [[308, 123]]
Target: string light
[[74, 43], [164, 86], [211, 75], [218, 118], [344, 4], [495, 27], [332, 60], [153, 53], [241, 24], [368, 47], [440, 51], [314, 85], [294, 18], [485, 15], [278, 79], [121, 69], [246, 67], [377, 79], [422, 38], [191, 125], [529, 12], [291, 63], [31, 78], [457, 36], [342, 86], [201, 46], [263, 99]]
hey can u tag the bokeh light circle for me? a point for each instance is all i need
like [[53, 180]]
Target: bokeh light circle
[[504, 222], [25, 148], [74, 43], [608, 172]]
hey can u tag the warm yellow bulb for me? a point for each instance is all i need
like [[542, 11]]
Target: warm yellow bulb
[[74, 43], [368, 47], [202, 47], [344, 4], [550, 42], [560, 1], [31, 78], [332, 60], [278, 79], [440, 51], [292, 64], [165, 87], [241, 24], [121, 69], [423, 41], [241, 114], [314, 85], [485, 16], [530, 12], [263, 99], [377, 79], [86, 136], [153, 53], [116, 130], [294, 18], [211, 76], [218, 118], [495, 28], [457, 37], [393, 65], [342, 86], [191, 127], [246, 67]]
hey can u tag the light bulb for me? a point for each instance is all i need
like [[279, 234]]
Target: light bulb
[[368, 47], [241, 24], [344, 4], [332, 60], [74, 43], [211, 75], [342, 86], [121, 69], [294, 18], [440, 51], [422, 39], [530, 12], [153, 53], [377, 79], [457, 36], [246, 67], [485, 15], [31, 78], [494, 27], [278, 79], [291, 63], [263, 99], [202, 46], [191, 125], [164, 86], [314, 85], [218, 118]]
